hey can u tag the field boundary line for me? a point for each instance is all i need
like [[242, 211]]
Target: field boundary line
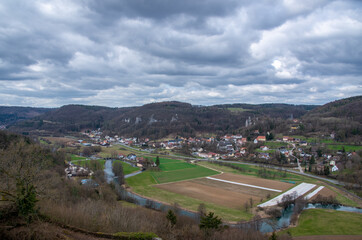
[[220, 172], [154, 178], [185, 180], [244, 184]]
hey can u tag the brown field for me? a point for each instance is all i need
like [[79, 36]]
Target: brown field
[[261, 182], [325, 192], [225, 194]]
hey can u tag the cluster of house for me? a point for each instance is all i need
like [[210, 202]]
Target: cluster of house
[[73, 170], [335, 161], [135, 161]]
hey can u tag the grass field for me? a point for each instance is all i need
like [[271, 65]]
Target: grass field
[[107, 151], [179, 174], [92, 164], [253, 171], [166, 160], [276, 144], [76, 157], [307, 139], [347, 148], [175, 166], [327, 222], [127, 169], [142, 184]]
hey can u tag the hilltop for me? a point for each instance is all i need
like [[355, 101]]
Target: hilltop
[[157, 120], [342, 118], [10, 115]]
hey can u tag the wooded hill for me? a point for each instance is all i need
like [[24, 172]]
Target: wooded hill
[[9, 115], [342, 117], [157, 120]]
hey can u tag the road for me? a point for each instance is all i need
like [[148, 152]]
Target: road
[[291, 154]]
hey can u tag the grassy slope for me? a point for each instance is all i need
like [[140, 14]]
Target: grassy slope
[[76, 157], [91, 163], [127, 169], [253, 171], [175, 166], [142, 184], [327, 222]]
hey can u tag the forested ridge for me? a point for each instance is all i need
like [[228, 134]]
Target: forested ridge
[[157, 120]]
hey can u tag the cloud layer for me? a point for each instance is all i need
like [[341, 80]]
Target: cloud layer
[[127, 53]]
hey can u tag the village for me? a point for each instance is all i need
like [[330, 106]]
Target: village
[[287, 151]]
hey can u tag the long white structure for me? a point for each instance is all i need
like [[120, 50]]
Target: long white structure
[[312, 194], [244, 184], [296, 192]]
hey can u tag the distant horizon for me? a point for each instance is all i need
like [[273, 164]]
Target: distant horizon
[[179, 102]]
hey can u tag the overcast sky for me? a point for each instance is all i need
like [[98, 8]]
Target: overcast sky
[[128, 53]]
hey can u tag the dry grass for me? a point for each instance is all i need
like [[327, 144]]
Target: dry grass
[[97, 210]]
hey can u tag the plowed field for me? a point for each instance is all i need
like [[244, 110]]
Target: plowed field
[[226, 194]]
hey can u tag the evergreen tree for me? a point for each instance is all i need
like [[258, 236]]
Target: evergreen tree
[[210, 223], [326, 170], [157, 161], [312, 160], [273, 236], [171, 217], [269, 136], [319, 152]]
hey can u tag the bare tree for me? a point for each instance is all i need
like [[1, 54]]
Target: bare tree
[[20, 169], [118, 172]]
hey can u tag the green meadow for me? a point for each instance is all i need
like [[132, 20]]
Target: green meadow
[[180, 174], [347, 148], [127, 169], [91, 164], [76, 157], [327, 222]]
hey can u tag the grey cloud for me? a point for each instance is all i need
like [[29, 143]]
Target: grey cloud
[[203, 52], [160, 9]]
